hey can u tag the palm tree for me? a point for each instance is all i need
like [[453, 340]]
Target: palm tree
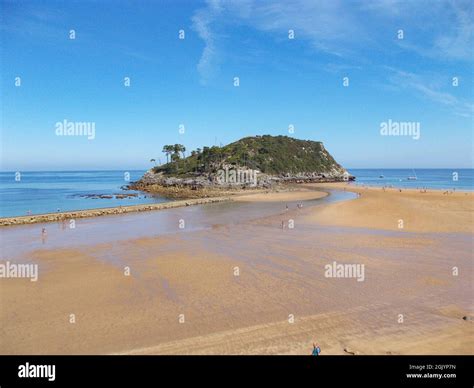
[[168, 150], [177, 149], [153, 161]]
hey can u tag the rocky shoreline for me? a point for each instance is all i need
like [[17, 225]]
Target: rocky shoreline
[[65, 216], [206, 186], [108, 196]]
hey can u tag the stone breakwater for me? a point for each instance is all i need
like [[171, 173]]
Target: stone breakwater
[[63, 216]]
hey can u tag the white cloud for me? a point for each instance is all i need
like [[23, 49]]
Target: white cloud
[[441, 29], [202, 21], [325, 24], [458, 42], [432, 91], [353, 32]]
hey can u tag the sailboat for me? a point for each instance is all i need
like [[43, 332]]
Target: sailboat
[[413, 177]]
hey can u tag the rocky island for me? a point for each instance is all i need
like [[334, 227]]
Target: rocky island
[[251, 163]]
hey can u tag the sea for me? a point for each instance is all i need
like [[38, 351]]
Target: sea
[[40, 192], [35, 192], [440, 179]]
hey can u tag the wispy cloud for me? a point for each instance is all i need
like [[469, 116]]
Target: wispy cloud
[[442, 29], [458, 42], [32, 22], [328, 25], [352, 32], [325, 24], [202, 24], [445, 30], [432, 91]]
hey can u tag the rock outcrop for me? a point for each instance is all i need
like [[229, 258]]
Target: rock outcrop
[[260, 161]]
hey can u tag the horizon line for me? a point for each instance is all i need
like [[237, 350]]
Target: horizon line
[[144, 169]]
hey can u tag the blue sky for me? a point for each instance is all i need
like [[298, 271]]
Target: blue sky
[[283, 81]]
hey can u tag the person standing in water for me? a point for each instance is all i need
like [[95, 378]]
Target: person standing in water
[[316, 350]]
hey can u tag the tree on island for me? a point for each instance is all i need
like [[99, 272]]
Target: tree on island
[[271, 155], [174, 151], [177, 148], [168, 150]]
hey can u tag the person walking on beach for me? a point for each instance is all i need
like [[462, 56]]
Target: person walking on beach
[[316, 350]]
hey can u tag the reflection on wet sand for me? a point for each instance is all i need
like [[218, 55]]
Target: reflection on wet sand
[[233, 281]]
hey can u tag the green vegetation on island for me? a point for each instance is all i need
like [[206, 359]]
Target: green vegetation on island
[[271, 155]]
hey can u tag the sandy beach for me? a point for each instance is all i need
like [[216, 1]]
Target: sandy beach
[[430, 211], [282, 196], [248, 282]]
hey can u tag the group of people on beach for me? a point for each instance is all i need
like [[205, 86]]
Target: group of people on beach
[[316, 350], [298, 206], [422, 190], [447, 192]]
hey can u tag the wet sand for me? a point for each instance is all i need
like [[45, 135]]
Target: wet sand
[[242, 284], [282, 196], [98, 212], [432, 211], [257, 195]]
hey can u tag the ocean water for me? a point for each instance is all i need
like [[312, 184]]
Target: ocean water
[[46, 192], [441, 179], [18, 241]]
